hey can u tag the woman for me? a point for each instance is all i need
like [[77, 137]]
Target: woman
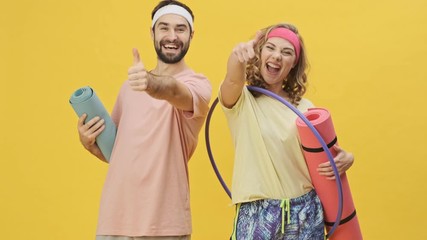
[[271, 186]]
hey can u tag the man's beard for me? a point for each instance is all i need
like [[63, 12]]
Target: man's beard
[[171, 59]]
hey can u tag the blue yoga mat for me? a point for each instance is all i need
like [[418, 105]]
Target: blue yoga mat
[[84, 100]]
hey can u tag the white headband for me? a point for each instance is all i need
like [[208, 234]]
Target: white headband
[[173, 9]]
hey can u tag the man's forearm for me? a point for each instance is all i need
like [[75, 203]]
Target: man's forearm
[[169, 89]]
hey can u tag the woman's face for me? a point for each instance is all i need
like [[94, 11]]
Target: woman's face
[[277, 60]]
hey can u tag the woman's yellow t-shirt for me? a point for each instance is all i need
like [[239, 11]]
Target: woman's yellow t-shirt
[[268, 159]]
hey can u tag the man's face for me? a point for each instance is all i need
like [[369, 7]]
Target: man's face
[[172, 36]]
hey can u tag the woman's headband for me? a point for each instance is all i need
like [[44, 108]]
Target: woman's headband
[[173, 9], [289, 35]]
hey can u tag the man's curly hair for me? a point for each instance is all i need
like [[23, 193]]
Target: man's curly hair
[[296, 81]]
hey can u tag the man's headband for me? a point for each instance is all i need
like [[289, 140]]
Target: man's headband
[[289, 35], [173, 9]]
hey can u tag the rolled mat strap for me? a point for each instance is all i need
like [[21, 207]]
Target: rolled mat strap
[[316, 150], [343, 221]]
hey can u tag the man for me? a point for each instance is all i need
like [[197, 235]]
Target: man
[[159, 114]]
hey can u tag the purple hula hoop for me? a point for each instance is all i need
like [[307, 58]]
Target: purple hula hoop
[[312, 128]]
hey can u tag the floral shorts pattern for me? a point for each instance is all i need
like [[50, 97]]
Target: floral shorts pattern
[[268, 219]]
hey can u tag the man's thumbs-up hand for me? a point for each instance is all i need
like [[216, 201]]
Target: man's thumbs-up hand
[[137, 75]]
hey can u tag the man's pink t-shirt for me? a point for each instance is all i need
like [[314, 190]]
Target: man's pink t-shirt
[[146, 192]]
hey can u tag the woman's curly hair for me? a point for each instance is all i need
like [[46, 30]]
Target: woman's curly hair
[[295, 83]]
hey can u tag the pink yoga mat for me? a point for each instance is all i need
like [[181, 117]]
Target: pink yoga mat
[[314, 154]]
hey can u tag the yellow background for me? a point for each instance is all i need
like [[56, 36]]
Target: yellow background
[[368, 68]]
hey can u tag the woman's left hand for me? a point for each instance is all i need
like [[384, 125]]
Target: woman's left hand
[[343, 161]]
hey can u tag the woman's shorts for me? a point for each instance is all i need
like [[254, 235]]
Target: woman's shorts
[[298, 218], [100, 237]]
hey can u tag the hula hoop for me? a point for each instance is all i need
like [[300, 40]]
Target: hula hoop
[[312, 128]]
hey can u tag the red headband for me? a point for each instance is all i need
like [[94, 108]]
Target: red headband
[[289, 35]]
